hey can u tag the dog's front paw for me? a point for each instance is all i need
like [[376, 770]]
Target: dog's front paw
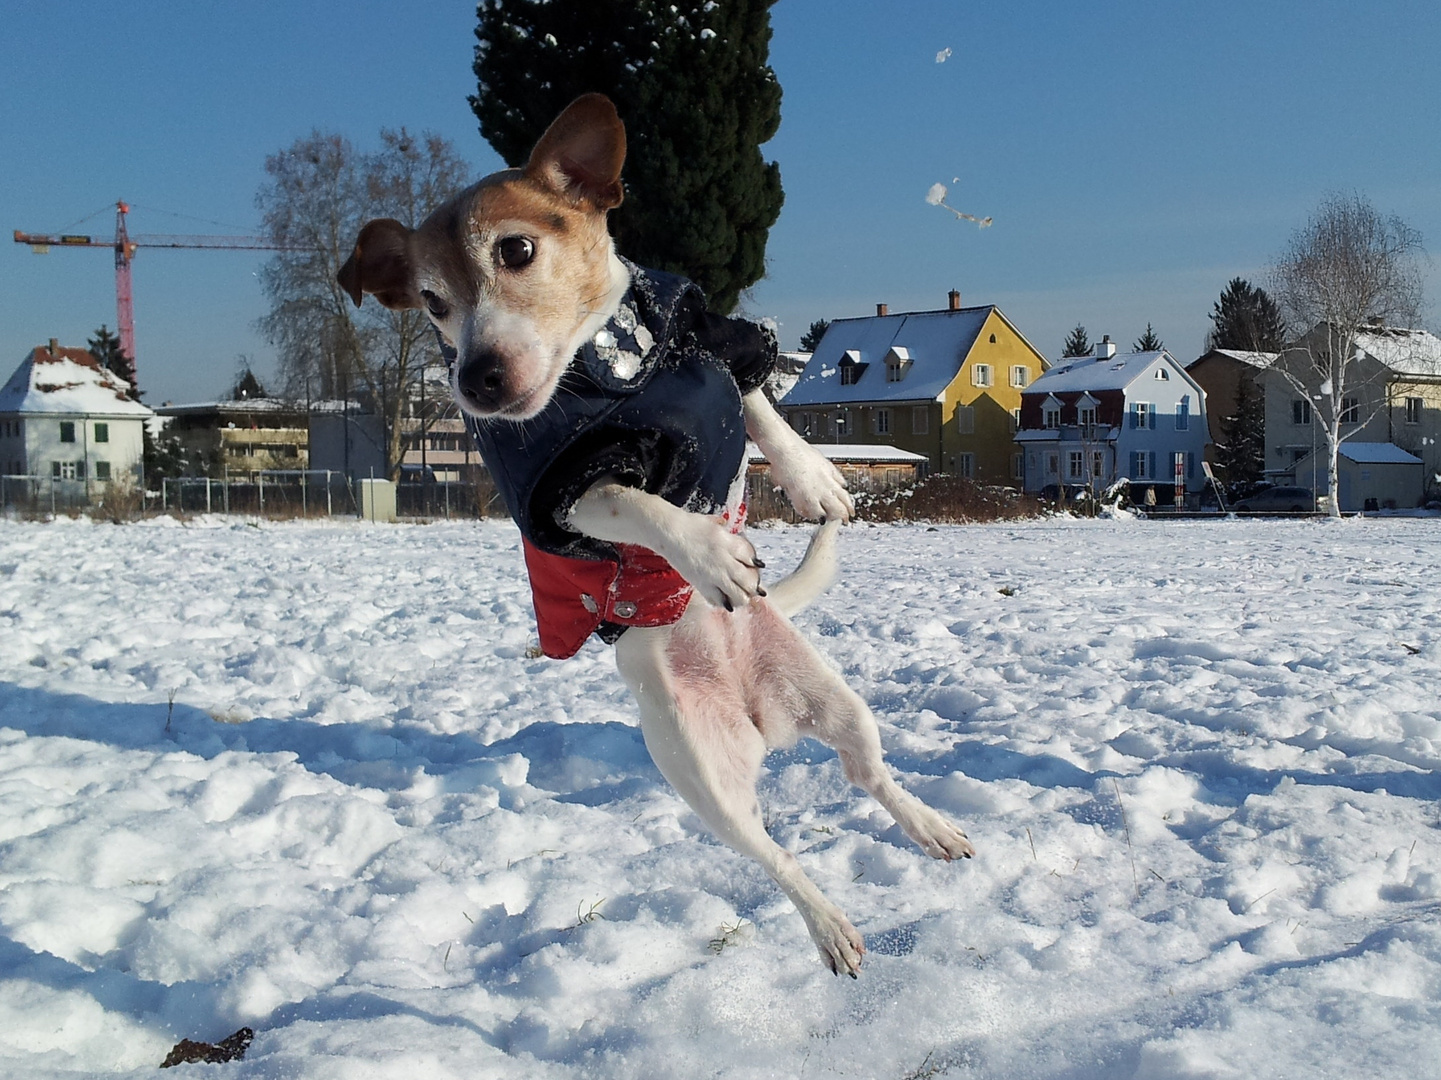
[[721, 565], [813, 484], [840, 944], [938, 837]]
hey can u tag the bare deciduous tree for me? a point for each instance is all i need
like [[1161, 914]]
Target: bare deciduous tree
[[320, 191], [1347, 271]]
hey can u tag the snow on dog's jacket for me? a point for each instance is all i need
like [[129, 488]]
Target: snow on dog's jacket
[[654, 400]]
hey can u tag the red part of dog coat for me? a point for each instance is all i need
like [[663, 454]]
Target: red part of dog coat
[[574, 596]]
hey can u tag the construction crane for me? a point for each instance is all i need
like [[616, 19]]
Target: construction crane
[[125, 247]]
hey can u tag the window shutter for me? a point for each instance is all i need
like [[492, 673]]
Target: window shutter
[[1134, 461], [1190, 465], [1151, 420], [1153, 463], [1135, 415]]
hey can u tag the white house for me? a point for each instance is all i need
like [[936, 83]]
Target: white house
[[66, 419], [1093, 420]]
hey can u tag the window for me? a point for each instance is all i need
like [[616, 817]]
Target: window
[[1018, 466], [1053, 464], [1183, 414], [1020, 375], [883, 421], [1143, 415], [1413, 410], [966, 465], [1051, 416], [68, 470], [67, 431], [1162, 375], [966, 419], [1087, 417], [920, 420], [841, 422], [1350, 410], [802, 423], [895, 372], [850, 373], [1143, 465], [1300, 411], [102, 432], [1015, 420], [1098, 464], [102, 471], [1076, 465], [981, 374]]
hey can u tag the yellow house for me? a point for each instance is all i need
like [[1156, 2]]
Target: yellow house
[[946, 384]]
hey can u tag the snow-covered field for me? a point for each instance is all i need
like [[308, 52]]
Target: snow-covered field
[[311, 778]]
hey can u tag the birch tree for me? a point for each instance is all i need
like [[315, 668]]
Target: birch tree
[[1348, 270]]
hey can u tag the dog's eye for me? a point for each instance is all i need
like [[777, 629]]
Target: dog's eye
[[515, 251], [434, 304]]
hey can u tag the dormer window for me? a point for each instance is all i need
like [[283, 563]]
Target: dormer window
[[851, 368], [1051, 413], [898, 363]]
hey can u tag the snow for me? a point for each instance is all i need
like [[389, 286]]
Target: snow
[[1376, 453], [311, 778], [1102, 372]]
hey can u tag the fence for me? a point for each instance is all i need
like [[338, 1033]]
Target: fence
[[289, 493]]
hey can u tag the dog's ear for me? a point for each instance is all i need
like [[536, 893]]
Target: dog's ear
[[380, 265], [581, 153]]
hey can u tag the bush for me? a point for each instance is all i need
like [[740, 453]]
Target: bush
[[946, 498]]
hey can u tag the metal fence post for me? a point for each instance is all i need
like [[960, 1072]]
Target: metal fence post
[[261, 477], [327, 494]]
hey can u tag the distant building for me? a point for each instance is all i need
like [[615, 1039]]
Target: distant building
[[1371, 476], [241, 438], [1392, 395], [1222, 373], [65, 418], [943, 384], [1093, 420]]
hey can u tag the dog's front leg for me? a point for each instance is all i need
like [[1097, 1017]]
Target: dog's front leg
[[720, 564], [814, 486]]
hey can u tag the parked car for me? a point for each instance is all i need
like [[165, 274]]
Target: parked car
[[1295, 500]]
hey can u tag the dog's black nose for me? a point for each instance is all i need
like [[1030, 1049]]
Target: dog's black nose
[[481, 381]]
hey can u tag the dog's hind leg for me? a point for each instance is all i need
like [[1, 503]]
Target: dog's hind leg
[[698, 732], [827, 709]]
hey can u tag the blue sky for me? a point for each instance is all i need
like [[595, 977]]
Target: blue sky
[[1134, 155]]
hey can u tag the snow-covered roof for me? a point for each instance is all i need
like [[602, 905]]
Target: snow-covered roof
[[936, 342], [850, 452], [1253, 359], [68, 382], [244, 405], [1408, 352], [1097, 372], [1376, 453]]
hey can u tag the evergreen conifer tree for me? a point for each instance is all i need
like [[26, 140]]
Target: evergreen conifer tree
[[812, 337], [1150, 341], [1077, 343], [1247, 319], [692, 83], [105, 347], [1241, 445]]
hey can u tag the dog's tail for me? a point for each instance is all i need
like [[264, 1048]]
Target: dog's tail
[[813, 576]]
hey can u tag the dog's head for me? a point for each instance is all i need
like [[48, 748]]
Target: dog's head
[[516, 272]]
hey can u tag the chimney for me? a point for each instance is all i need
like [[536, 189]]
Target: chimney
[[54, 347], [881, 309], [1105, 348], [954, 296]]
